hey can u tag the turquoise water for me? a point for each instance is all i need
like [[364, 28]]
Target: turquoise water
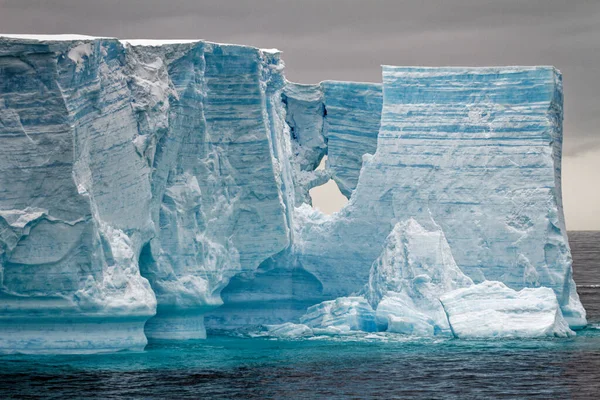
[[364, 366]]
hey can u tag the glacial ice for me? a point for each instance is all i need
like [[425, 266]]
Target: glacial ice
[[218, 137], [337, 119], [492, 310], [289, 330], [415, 268], [150, 189], [344, 314]]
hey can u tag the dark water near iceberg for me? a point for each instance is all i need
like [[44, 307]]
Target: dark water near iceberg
[[363, 366]]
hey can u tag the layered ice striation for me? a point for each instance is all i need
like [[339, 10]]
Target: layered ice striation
[[146, 185], [339, 120], [133, 172], [219, 206], [341, 315], [477, 150], [74, 199]]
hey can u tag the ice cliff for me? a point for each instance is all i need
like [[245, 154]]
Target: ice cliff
[[150, 187]]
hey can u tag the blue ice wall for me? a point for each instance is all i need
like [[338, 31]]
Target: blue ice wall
[[134, 172], [221, 211], [337, 119], [74, 195], [351, 128]]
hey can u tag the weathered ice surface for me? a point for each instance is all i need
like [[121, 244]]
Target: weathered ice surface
[[344, 314], [131, 159], [146, 184], [337, 119], [351, 126], [305, 116], [219, 205], [492, 310], [415, 268], [74, 200], [289, 330]]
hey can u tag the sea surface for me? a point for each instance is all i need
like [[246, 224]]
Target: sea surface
[[362, 366]]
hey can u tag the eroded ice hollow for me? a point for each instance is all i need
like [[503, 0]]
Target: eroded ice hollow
[[151, 188]]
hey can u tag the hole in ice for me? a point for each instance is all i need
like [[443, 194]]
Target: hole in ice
[[327, 198], [321, 166]]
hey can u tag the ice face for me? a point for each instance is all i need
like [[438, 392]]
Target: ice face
[[497, 135], [141, 157], [146, 183], [337, 119], [351, 126], [75, 208], [220, 137]]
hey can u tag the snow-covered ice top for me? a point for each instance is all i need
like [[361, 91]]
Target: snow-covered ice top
[[54, 38]]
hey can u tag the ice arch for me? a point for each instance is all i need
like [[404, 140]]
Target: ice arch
[[328, 197]]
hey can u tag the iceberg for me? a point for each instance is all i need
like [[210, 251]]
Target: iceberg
[[212, 224], [492, 310], [156, 189], [75, 200]]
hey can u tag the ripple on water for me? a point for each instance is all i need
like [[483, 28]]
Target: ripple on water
[[363, 366]]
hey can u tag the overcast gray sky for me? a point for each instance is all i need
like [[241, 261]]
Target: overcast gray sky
[[350, 39]]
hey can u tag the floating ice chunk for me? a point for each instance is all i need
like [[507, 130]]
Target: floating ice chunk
[[398, 314], [333, 330], [412, 325], [414, 269], [289, 330], [492, 310], [344, 313]]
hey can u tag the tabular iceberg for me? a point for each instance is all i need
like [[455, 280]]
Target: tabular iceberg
[[148, 188]]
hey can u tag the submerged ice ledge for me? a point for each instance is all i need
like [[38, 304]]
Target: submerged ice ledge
[[150, 188]]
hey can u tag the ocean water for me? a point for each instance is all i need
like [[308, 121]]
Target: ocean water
[[585, 248], [360, 366]]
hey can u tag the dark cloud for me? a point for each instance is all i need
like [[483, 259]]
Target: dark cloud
[[350, 39]]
